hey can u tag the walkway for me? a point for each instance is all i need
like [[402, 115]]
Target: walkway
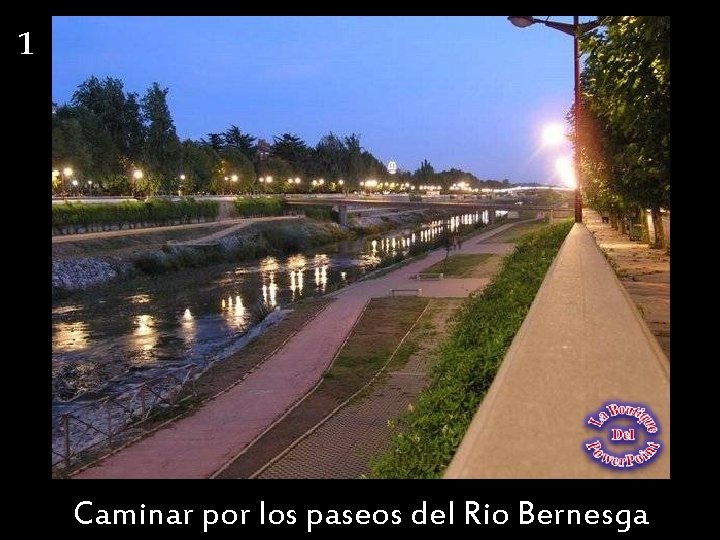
[[644, 272], [199, 445], [583, 344], [232, 225]]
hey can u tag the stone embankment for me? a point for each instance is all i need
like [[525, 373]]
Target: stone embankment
[[84, 272]]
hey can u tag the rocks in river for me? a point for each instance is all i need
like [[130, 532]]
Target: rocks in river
[[79, 273]]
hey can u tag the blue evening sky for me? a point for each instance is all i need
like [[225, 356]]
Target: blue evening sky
[[465, 92]]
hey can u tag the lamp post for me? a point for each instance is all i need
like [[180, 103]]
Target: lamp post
[[66, 173], [90, 187], [575, 30], [136, 175]]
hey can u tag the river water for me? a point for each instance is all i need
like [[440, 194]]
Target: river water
[[112, 338]]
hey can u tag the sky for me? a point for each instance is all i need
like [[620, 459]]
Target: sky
[[472, 93]]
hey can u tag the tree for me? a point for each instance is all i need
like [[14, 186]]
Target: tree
[[626, 85], [215, 140], [293, 150], [198, 162], [162, 147], [353, 159], [425, 173], [242, 141], [233, 163], [117, 112], [329, 157]]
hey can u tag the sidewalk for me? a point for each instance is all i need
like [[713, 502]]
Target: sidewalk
[[582, 345], [199, 445], [644, 272]]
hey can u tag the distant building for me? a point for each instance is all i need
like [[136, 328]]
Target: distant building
[[263, 149]]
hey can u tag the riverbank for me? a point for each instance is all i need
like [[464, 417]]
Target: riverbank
[[96, 258], [264, 394]]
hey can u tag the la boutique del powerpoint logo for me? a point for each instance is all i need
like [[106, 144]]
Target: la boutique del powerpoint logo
[[629, 436]]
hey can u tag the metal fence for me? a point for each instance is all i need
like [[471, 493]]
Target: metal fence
[[101, 424]]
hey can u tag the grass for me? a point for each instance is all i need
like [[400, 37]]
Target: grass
[[513, 233], [484, 326], [460, 266], [375, 337]]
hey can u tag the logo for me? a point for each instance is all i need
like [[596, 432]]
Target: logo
[[630, 436]]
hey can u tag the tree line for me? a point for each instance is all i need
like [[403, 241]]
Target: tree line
[[625, 120], [105, 134]]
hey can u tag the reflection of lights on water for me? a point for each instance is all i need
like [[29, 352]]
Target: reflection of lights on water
[[296, 262], [270, 294], [269, 264], [71, 336], [374, 246], [145, 325], [187, 326], [145, 334], [343, 276], [140, 299]]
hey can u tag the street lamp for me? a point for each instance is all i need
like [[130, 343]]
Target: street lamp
[[66, 173], [90, 187], [575, 29], [137, 175]]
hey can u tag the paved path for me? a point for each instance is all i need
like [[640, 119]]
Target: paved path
[[199, 445], [644, 272], [581, 345], [232, 225], [342, 446]]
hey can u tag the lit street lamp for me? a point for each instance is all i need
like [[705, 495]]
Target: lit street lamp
[[575, 29], [136, 175], [66, 173], [90, 187]]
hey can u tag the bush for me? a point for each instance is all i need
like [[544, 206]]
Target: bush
[[156, 211], [260, 206], [482, 330]]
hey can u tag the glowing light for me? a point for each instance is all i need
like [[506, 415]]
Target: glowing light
[[553, 134], [187, 315], [566, 170]]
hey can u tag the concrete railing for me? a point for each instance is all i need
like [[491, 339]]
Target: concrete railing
[[582, 345]]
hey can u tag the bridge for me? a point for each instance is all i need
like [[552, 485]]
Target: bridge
[[348, 204], [345, 205]]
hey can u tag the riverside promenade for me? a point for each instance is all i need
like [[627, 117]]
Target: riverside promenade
[[583, 344], [199, 445]]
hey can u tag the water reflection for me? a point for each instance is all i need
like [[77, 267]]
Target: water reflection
[[145, 337], [73, 336], [193, 316]]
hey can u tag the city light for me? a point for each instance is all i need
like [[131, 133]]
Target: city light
[[566, 170], [553, 134]]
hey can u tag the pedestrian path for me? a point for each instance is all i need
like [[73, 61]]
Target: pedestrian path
[[198, 445]]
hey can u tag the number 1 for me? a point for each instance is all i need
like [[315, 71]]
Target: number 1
[[26, 35]]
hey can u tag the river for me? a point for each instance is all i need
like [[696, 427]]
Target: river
[[112, 338]]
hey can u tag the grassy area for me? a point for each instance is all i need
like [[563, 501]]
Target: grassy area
[[483, 329], [513, 233], [460, 266], [375, 337], [372, 342]]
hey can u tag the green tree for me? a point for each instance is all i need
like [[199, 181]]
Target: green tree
[[353, 159], [293, 150], [242, 141], [163, 153], [117, 112], [425, 174], [626, 87], [198, 163], [233, 163]]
